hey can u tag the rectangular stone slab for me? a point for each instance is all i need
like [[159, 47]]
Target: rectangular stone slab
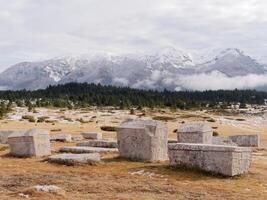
[[92, 136], [99, 143], [246, 140], [217, 159], [61, 137], [74, 159], [87, 150]]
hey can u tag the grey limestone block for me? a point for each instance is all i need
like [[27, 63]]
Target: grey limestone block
[[74, 159], [92, 136], [217, 159], [87, 150], [29, 143], [61, 137], [144, 140], [246, 140], [99, 143], [195, 132]]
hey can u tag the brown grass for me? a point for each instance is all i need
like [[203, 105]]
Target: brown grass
[[114, 179]]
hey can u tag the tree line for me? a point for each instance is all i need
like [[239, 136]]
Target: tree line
[[89, 94]]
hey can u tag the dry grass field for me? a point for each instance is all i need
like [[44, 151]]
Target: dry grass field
[[115, 178]]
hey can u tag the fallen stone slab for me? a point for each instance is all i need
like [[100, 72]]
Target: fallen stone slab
[[246, 140], [61, 137], [86, 150], [144, 140], [223, 141], [99, 143], [195, 132], [217, 159], [92, 136], [27, 143], [75, 159]]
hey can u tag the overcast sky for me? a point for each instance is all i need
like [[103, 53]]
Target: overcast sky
[[38, 29]]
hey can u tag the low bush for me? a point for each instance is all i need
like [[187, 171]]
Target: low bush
[[108, 128]]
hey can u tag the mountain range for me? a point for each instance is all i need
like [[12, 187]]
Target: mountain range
[[166, 69]]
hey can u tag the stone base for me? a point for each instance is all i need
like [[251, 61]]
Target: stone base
[[99, 143], [75, 159], [224, 160], [87, 150]]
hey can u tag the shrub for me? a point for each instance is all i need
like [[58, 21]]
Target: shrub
[[41, 119], [29, 118], [132, 112], [215, 133], [108, 128], [211, 120], [81, 120], [163, 118], [55, 130]]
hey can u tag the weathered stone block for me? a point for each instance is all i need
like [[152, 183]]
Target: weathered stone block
[[99, 143], [87, 150], [195, 132], [75, 159], [143, 140], [28, 143], [246, 140], [61, 137], [217, 159], [4, 135], [223, 141], [92, 136]]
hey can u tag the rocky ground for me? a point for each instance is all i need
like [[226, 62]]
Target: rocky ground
[[115, 178]]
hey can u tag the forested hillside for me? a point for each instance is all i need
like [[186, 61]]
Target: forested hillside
[[83, 94]]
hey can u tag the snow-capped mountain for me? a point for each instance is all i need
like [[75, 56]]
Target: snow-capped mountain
[[164, 69], [232, 62]]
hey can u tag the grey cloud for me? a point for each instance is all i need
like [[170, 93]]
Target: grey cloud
[[32, 30]]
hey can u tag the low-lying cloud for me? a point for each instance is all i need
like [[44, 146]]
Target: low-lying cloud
[[217, 80], [200, 82]]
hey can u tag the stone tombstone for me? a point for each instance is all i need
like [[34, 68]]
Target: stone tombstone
[[61, 137], [92, 136], [195, 132], [145, 140], [75, 159], [217, 159], [217, 140], [246, 140], [29, 143]]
